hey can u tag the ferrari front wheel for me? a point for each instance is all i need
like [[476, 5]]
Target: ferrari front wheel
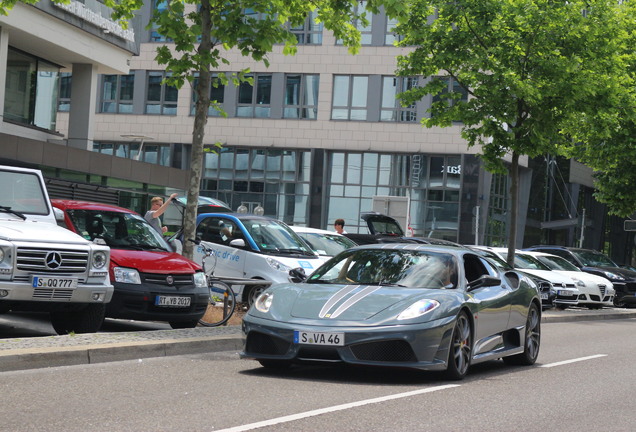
[[532, 340], [461, 348]]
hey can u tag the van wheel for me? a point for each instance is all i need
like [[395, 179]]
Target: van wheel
[[86, 320], [253, 293]]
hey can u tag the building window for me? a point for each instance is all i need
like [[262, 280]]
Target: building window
[[273, 178], [160, 97], [301, 96], [64, 92], [31, 88], [158, 154], [158, 6], [349, 97], [217, 96], [117, 94], [310, 32], [392, 109], [365, 30], [390, 37], [254, 99], [452, 87]]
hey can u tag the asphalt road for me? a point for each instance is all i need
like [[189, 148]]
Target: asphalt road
[[583, 381]]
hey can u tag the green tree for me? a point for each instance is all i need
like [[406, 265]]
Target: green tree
[[534, 70], [204, 31]]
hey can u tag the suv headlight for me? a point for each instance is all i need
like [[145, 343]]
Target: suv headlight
[[613, 276], [200, 280], [100, 259], [127, 275]]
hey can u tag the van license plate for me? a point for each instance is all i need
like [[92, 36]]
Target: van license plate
[[53, 282], [172, 301], [318, 338]]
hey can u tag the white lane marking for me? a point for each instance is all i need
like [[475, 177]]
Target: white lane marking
[[306, 414], [564, 362]]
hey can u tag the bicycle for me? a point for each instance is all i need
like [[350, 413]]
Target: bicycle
[[222, 302]]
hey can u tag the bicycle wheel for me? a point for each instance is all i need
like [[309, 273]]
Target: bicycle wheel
[[221, 306]]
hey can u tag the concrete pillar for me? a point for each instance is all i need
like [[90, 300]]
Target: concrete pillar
[[83, 102]]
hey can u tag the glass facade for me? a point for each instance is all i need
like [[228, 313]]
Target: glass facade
[[276, 179], [31, 90]]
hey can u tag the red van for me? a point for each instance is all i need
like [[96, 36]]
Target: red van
[[152, 283]]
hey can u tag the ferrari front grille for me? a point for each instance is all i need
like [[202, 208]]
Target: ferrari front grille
[[384, 351], [259, 343]]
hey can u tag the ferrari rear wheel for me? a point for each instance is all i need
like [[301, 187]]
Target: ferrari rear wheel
[[533, 340], [461, 349]]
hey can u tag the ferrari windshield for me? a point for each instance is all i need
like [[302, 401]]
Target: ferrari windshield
[[117, 230], [398, 267]]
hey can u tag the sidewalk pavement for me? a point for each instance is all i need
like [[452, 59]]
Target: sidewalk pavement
[[51, 351]]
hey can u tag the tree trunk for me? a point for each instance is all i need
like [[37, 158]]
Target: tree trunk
[[514, 198], [200, 120]]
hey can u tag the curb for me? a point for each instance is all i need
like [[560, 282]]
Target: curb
[[35, 358]]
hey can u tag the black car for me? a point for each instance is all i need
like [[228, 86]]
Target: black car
[[596, 263]]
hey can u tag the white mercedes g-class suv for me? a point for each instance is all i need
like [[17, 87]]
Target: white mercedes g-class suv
[[46, 268]]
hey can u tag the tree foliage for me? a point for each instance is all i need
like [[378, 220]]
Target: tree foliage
[[534, 70]]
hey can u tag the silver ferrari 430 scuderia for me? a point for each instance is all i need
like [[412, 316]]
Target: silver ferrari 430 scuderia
[[399, 305]]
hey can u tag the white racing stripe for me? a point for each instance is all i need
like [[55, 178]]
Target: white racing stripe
[[564, 362], [306, 414]]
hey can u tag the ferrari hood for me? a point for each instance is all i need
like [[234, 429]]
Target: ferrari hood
[[352, 302]]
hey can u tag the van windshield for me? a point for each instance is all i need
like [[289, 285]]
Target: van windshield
[[274, 237], [117, 230]]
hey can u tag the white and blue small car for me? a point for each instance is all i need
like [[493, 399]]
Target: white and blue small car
[[252, 247]]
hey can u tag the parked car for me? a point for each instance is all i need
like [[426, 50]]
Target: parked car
[[596, 291], [388, 305], [152, 283], [324, 243], [253, 247], [565, 286], [595, 262], [546, 290], [385, 229]]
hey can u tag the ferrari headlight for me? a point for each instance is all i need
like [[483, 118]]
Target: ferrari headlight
[[418, 308], [613, 276], [277, 265], [127, 275], [264, 302], [199, 280]]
